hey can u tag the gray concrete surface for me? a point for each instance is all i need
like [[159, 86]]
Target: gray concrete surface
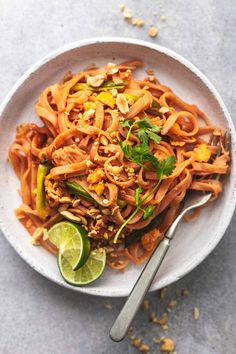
[[37, 316]]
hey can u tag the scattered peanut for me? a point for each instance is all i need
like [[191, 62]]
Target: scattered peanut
[[68, 215], [122, 7], [149, 71], [127, 13], [122, 103], [153, 31], [108, 306], [37, 235], [162, 292], [156, 340], [172, 304], [184, 292], [137, 22], [168, 345], [136, 342], [144, 348], [145, 305], [95, 81], [163, 18], [164, 110], [196, 313]]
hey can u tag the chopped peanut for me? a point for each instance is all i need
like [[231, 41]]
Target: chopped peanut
[[108, 306], [153, 31], [164, 319], [137, 22], [164, 110], [122, 103], [116, 170], [184, 292], [37, 235], [122, 7], [95, 81], [156, 340], [145, 305], [162, 292], [196, 313], [150, 71], [127, 13], [144, 348], [168, 345], [172, 304], [163, 18], [88, 114], [136, 342]]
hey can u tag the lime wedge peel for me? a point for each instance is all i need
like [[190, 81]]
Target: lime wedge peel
[[72, 242], [88, 273], [78, 266]]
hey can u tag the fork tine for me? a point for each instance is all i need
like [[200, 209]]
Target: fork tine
[[226, 141]]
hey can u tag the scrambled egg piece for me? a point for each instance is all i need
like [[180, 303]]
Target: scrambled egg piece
[[107, 99], [95, 180], [95, 176], [202, 153], [98, 188], [89, 105]]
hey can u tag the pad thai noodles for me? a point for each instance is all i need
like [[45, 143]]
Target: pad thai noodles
[[111, 154]]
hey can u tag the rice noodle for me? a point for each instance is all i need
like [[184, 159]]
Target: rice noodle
[[80, 135]]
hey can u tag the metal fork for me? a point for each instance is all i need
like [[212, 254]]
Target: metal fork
[[123, 321]]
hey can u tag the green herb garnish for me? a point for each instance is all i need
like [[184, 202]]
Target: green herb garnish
[[146, 130], [148, 211], [141, 155], [138, 191]]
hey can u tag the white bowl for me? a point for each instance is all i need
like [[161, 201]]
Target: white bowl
[[194, 240]]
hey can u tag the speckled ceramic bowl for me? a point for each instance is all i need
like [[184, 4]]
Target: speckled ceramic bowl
[[194, 240]]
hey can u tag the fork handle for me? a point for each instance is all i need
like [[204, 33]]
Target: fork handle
[[129, 310]]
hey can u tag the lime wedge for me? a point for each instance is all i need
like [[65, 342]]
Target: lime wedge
[[88, 273], [72, 241]]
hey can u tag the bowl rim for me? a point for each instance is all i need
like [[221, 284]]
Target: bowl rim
[[231, 203]]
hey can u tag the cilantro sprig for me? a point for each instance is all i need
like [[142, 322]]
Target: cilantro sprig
[[148, 211], [142, 156], [146, 130]]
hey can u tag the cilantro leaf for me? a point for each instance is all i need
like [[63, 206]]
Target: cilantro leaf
[[156, 138], [136, 154], [138, 191], [168, 165], [145, 123], [126, 148], [127, 123], [147, 130], [143, 137], [148, 212]]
